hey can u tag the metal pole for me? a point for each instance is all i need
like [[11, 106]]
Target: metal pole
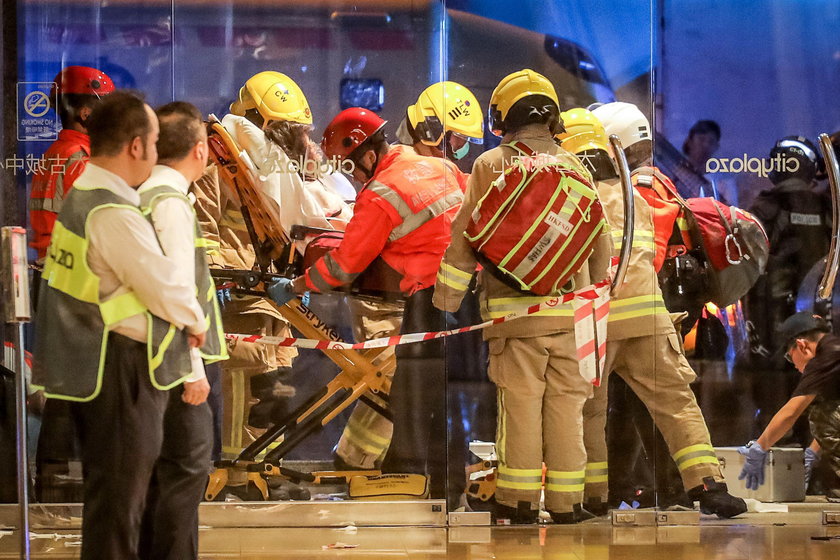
[[16, 310], [22, 446]]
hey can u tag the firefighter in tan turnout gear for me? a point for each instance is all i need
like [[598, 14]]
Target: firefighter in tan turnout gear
[[643, 346], [532, 359], [255, 379]]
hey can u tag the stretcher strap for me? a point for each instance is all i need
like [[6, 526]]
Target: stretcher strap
[[590, 338]]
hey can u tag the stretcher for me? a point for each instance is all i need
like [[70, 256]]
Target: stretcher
[[365, 375]]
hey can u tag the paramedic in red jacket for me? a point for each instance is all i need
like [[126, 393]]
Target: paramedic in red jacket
[[76, 91], [403, 215]]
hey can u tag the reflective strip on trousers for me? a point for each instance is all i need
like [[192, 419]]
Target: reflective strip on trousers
[[597, 472], [366, 440], [692, 455], [501, 426], [564, 481], [499, 307], [453, 277], [521, 479], [637, 306]]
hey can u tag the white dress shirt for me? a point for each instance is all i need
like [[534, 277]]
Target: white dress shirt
[[126, 256], [174, 222]]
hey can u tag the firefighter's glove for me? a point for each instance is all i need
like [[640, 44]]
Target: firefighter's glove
[[281, 291], [811, 458], [223, 296], [753, 470]]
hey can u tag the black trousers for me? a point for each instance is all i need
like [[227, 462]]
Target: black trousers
[[121, 432], [170, 522], [421, 442], [215, 400]]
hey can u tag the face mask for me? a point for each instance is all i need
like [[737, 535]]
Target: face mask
[[461, 152]]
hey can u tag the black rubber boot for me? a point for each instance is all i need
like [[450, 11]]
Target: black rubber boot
[[674, 498], [577, 515], [715, 499], [274, 398], [520, 515], [596, 507]]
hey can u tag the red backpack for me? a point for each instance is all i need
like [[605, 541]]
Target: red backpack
[[734, 243], [731, 241], [538, 222]]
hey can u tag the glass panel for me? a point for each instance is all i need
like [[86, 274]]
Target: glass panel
[[341, 55], [587, 56], [381, 56], [99, 46], [742, 97]]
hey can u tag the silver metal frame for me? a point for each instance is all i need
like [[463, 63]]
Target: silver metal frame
[[15, 280], [832, 262], [629, 213]]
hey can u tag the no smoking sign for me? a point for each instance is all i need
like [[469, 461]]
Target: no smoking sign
[[35, 122]]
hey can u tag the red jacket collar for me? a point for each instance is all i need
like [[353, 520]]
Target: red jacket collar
[[75, 137]]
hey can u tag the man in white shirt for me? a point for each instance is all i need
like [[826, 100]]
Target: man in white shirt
[[170, 524], [114, 325]]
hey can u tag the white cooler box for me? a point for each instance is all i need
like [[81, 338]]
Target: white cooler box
[[784, 474]]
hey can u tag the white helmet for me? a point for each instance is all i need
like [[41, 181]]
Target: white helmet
[[625, 120]]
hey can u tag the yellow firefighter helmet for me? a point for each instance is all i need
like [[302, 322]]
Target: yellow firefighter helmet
[[275, 96], [513, 88], [446, 107], [583, 131]]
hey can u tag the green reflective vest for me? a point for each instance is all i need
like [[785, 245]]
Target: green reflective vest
[[215, 347], [73, 323]]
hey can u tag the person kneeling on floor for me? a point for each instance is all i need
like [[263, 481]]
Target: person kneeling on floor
[[815, 352]]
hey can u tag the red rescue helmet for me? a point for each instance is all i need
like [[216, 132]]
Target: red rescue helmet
[[81, 80], [348, 130]]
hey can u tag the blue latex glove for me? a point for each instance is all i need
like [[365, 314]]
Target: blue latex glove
[[811, 457], [223, 296], [281, 291], [753, 469], [451, 320]]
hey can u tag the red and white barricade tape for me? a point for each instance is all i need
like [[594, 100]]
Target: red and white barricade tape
[[591, 305]]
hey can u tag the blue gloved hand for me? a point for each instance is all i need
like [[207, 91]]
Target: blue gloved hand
[[281, 291], [223, 296], [753, 469], [811, 458], [451, 320]]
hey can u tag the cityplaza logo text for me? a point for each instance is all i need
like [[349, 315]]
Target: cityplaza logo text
[[761, 166], [306, 166]]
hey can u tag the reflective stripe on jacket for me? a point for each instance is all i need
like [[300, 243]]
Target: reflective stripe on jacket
[[215, 345], [404, 215], [58, 169], [73, 322], [637, 307], [657, 190]]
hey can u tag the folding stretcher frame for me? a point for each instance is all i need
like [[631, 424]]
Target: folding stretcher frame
[[364, 375]]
